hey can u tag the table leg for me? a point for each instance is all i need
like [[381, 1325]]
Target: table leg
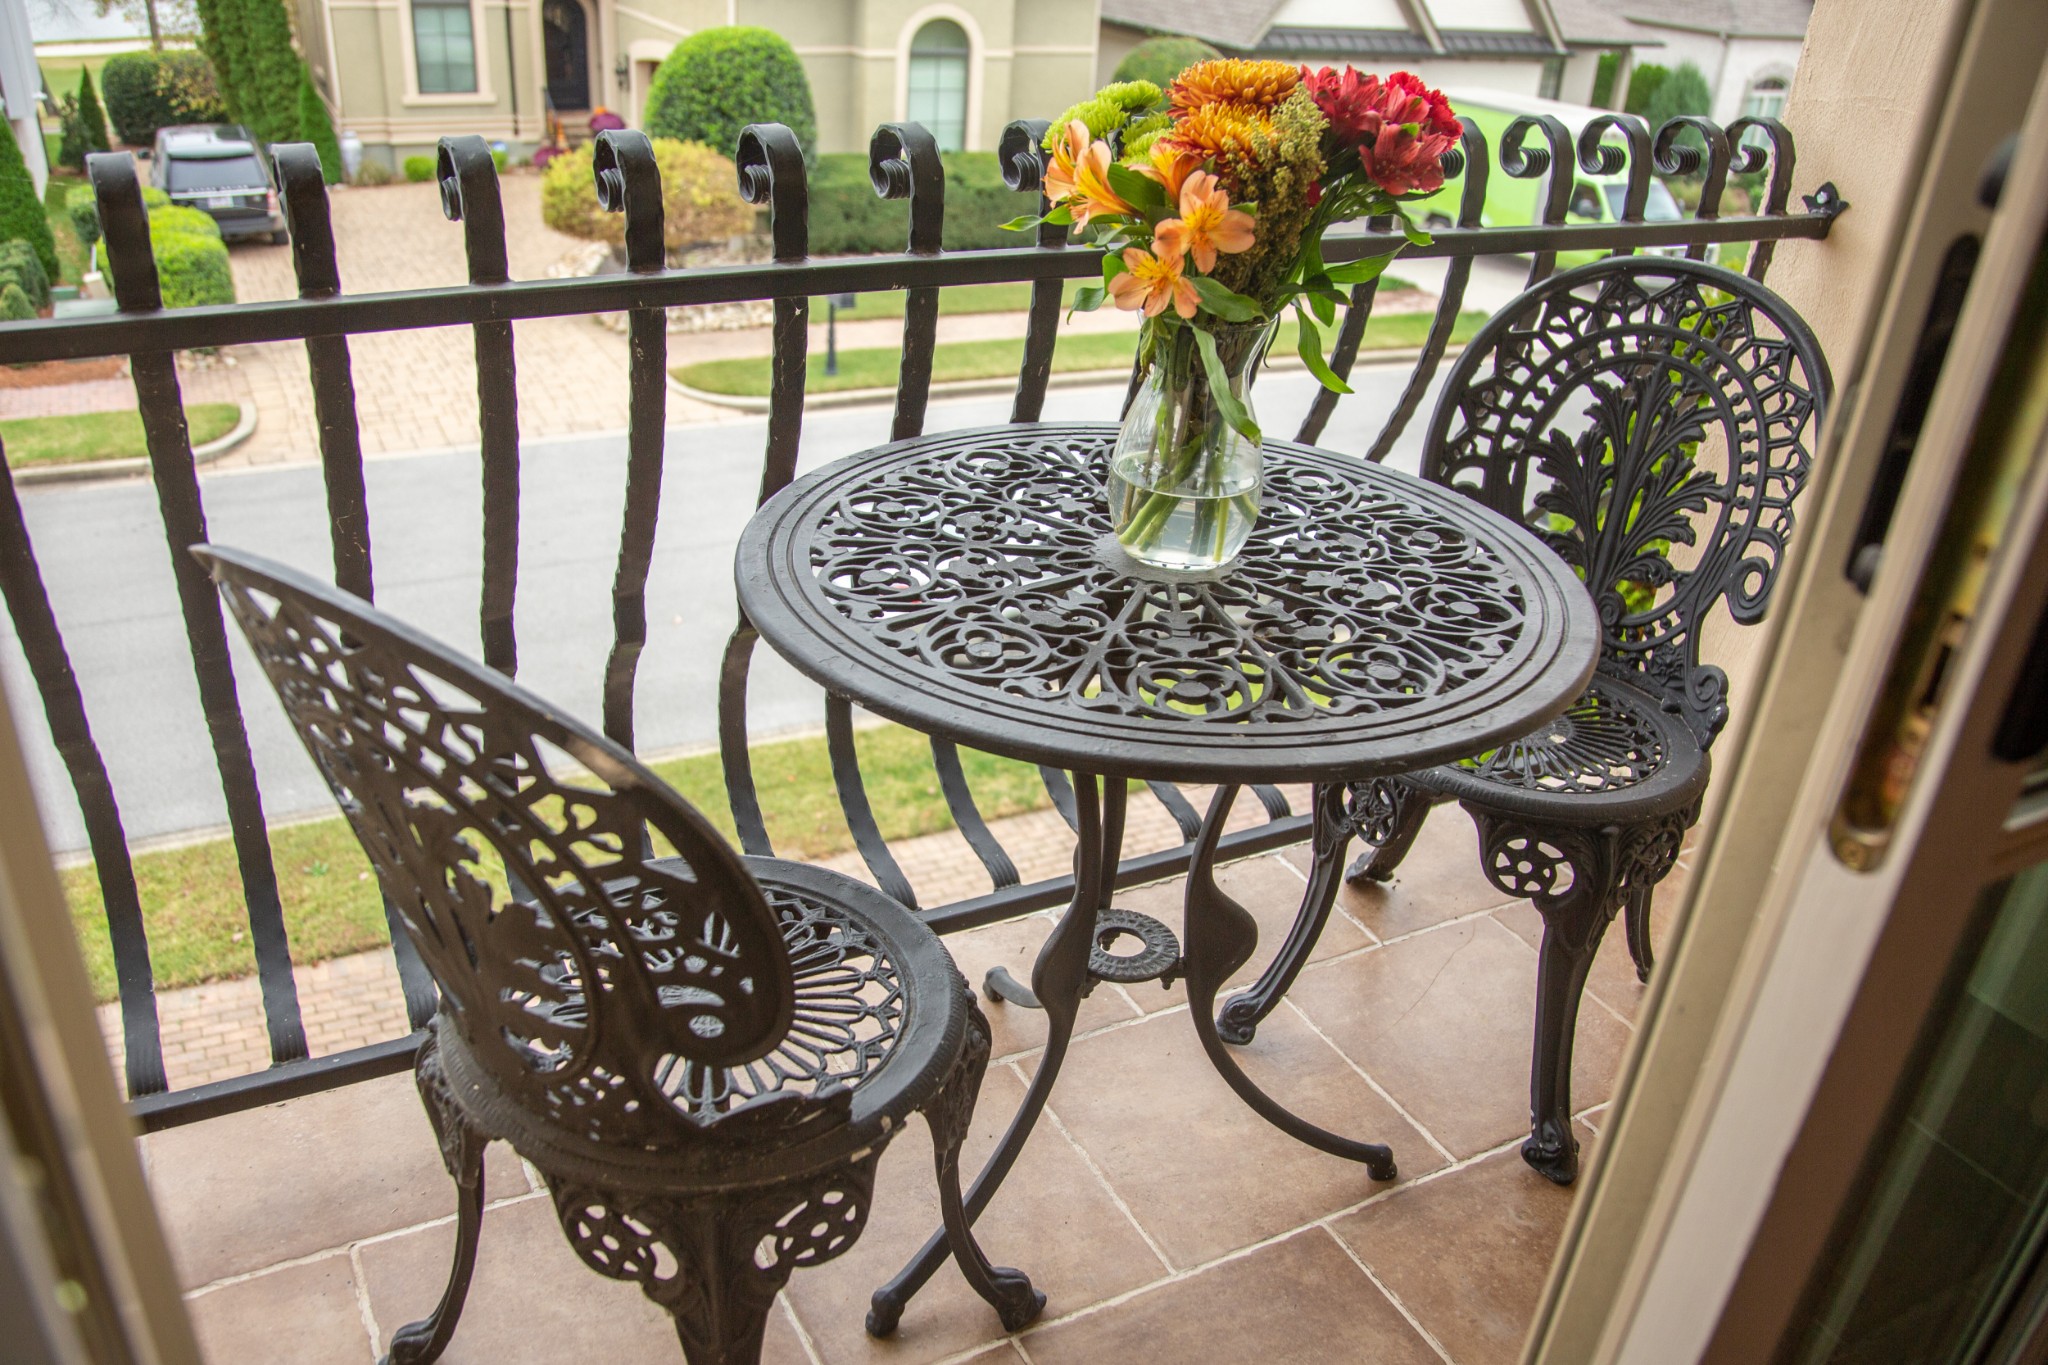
[[1331, 835], [1219, 938], [1059, 981]]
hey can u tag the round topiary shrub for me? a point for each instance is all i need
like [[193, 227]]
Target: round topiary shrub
[[191, 259], [1159, 60], [14, 305], [20, 268], [84, 213], [173, 218], [419, 168], [719, 80], [700, 198]]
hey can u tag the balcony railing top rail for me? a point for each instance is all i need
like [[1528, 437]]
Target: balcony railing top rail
[[904, 165]]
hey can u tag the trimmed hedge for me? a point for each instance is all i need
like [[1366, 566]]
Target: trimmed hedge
[[21, 210], [146, 91], [848, 217], [419, 169], [719, 80], [191, 260], [700, 197], [20, 268], [1159, 60], [14, 305]]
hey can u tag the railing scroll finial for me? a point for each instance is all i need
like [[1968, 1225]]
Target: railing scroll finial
[[1598, 156], [903, 163], [469, 196], [771, 171], [302, 195], [124, 227], [629, 182]]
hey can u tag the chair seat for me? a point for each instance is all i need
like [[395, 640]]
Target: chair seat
[[1615, 753], [881, 1012]]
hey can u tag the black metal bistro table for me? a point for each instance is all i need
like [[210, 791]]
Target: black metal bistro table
[[967, 585]]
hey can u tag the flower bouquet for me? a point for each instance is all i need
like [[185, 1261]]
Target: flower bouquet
[[1209, 201]]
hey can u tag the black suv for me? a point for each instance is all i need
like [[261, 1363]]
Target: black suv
[[215, 167]]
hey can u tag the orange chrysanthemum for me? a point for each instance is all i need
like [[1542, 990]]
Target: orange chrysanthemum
[[1219, 131], [1232, 80]]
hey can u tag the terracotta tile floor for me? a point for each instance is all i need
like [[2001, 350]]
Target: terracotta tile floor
[[1164, 1221]]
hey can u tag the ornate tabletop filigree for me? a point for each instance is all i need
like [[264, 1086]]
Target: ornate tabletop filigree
[[968, 585]]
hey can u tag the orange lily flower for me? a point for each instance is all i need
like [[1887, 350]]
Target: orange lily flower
[[1170, 165], [1152, 281], [1059, 177], [1208, 221], [1092, 194]]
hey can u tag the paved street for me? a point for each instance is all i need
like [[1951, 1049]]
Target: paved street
[[102, 553]]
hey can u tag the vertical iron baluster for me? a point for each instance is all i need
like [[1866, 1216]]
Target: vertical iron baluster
[[853, 803], [770, 163], [469, 195], [1599, 157], [1470, 158], [1747, 159], [1556, 156], [124, 225], [302, 194], [1675, 159], [967, 815], [903, 163], [28, 604], [629, 182], [1022, 154], [1343, 355]]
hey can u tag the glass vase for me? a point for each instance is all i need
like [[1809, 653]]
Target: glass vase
[[1183, 482]]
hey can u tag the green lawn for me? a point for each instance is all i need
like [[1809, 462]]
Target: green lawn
[[102, 435], [198, 928], [971, 298], [70, 251], [876, 367]]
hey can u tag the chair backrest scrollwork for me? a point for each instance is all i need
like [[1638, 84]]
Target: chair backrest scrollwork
[[1653, 420], [608, 991]]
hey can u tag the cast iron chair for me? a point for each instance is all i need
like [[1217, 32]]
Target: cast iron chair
[[704, 1054], [1653, 421]]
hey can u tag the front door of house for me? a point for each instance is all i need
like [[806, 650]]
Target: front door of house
[[565, 31]]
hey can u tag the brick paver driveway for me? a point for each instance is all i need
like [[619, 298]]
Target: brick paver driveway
[[417, 390]]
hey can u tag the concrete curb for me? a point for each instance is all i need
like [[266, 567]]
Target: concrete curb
[[971, 388], [95, 470]]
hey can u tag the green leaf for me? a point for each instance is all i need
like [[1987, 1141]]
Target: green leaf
[[1112, 266], [1415, 235], [1023, 223], [1359, 272], [1061, 216], [1224, 304], [1219, 387], [1140, 192], [1087, 299], [1324, 307], [1309, 345]]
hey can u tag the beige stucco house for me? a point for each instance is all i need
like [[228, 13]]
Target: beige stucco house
[[400, 73]]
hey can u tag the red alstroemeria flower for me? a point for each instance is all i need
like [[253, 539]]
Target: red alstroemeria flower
[[1399, 127]]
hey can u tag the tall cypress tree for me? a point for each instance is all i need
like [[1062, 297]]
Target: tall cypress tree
[[317, 128], [224, 38], [90, 115], [274, 68], [21, 212]]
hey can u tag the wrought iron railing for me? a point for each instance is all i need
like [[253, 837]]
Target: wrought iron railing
[[904, 165]]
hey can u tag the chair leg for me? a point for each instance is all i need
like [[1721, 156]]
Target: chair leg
[[462, 1152], [949, 1114], [729, 1253], [1392, 834], [1637, 920], [1578, 878]]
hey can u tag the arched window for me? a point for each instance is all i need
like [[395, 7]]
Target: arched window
[[1766, 98], [938, 82]]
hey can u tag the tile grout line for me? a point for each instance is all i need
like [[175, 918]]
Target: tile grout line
[[243, 1277], [1102, 1179], [368, 1314], [1367, 1077], [1391, 1297], [803, 1336], [1336, 906]]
